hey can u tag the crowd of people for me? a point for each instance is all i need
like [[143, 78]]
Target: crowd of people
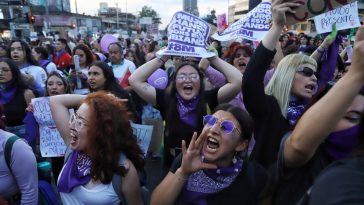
[[279, 123]]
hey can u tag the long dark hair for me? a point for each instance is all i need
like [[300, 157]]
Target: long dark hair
[[26, 49], [111, 83], [172, 112], [17, 80], [243, 118], [89, 56]]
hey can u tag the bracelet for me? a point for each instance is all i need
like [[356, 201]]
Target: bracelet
[[161, 60]]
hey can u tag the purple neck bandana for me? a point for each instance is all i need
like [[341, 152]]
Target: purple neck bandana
[[295, 110], [187, 110], [203, 183], [7, 92], [340, 144], [76, 172]]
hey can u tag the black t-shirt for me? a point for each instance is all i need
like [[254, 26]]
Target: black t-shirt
[[181, 131], [248, 188], [340, 184], [293, 183]]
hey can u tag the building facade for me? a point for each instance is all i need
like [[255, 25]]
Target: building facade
[[238, 10], [114, 20], [190, 6]]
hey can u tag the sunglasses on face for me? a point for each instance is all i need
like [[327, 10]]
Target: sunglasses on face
[[226, 126], [306, 71]]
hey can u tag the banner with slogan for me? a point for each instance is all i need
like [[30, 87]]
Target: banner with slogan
[[51, 142], [143, 134], [253, 26], [313, 8], [187, 36], [221, 22], [345, 17]]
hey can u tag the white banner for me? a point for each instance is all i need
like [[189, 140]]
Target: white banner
[[253, 26], [51, 142], [345, 17], [143, 134], [187, 36]]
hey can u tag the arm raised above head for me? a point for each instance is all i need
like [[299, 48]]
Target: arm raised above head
[[308, 134], [138, 80], [59, 108]]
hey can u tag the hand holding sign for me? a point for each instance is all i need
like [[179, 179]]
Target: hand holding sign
[[280, 10], [187, 36]]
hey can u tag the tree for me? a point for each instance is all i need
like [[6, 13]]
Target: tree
[[147, 11]]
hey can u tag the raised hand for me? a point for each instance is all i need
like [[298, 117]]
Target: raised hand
[[357, 60], [280, 9], [192, 160]]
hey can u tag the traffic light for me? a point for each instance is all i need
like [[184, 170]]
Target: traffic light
[[32, 19]]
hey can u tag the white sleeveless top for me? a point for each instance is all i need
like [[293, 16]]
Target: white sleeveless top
[[101, 194]]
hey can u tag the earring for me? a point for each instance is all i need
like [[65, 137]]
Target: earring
[[235, 159]]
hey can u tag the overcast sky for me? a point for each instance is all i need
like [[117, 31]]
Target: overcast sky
[[165, 8]]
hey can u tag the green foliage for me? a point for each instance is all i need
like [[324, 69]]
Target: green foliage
[[148, 11]]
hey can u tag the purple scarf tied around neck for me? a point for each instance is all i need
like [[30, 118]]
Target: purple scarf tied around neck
[[187, 110], [204, 183], [7, 92], [76, 172], [295, 110]]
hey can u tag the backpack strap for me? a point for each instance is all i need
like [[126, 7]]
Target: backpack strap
[[8, 147]]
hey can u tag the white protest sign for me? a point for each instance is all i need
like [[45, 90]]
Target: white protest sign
[[51, 142], [143, 134], [345, 17], [187, 36], [253, 26]]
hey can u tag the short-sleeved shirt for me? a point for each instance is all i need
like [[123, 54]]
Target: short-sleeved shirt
[[294, 182], [340, 184]]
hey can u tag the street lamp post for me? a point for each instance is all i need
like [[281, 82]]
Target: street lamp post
[[117, 16]]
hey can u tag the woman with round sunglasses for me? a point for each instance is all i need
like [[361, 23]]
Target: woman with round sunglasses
[[100, 145], [326, 132], [185, 100], [277, 107], [213, 170]]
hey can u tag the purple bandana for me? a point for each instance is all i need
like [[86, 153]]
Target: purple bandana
[[7, 92], [187, 110], [203, 183], [76, 172], [340, 144], [295, 110]]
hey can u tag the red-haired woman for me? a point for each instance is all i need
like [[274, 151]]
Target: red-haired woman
[[102, 145]]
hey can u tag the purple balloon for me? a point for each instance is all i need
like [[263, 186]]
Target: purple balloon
[[105, 42], [159, 79]]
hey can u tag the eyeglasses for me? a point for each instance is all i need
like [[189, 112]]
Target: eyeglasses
[[226, 126], [194, 77], [306, 71], [78, 122]]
